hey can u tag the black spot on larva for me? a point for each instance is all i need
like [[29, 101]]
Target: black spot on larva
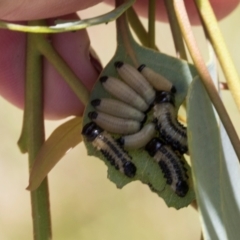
[[118, 64], [95, 102], [103, 79], [166, 171], [141, 67]]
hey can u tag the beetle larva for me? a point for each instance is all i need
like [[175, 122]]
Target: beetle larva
[[103, 142], [169, 128], [123, 92], [118, 109], [171, 165], [159, 82], [136, 81], [139, 139], [115, 124]]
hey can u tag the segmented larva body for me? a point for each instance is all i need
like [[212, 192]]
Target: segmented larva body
[[136, 81], [169, 128], [159, 82], [118, 109], [139, 139], [114, 124], [103, 142], [172, 167], [123, 92]]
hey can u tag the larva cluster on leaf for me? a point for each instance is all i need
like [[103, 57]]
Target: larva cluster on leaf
[[142, 113]]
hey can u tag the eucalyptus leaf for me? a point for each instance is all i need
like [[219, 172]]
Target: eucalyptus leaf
[[180, 74], [63, 138], [215, 168], [230, 186]]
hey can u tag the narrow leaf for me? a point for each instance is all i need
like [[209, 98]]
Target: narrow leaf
[[215, 169], [65, 137], [230, 186]]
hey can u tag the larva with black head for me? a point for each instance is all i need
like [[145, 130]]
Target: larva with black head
[[103, 142], [169, 128], [114, 124], [118, 109], [159, 82], [123, 92], [136, 81], [171, 165], [139, 139]]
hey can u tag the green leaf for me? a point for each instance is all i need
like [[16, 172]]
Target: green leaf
[[230, 187], [215, 168], [180, 74], [65, 137]]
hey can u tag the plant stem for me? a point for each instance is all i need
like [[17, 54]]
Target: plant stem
[[124, 34], [176, 31], [34, 124], [138, 27], [63, 69], [67, 26], [151, 23], [204, 74], [220, 48]]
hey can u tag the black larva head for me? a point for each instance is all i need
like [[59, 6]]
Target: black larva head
[[141, 67], [129, 169], [92, 115], [144, 120], [91, 131], [173, 89], [95, 102], [182, 188], [183, 149], [120, 141], [118, 64], [103, 79], [178, 147], [153, 146], [164, 97]]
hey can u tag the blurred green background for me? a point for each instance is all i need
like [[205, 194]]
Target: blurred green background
[[84, 203]]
